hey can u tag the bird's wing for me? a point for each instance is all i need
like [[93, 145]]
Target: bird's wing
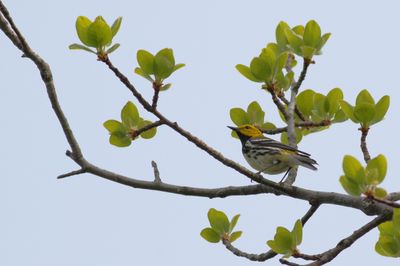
[[270, 143]]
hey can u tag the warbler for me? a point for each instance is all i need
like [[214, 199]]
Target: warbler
[[270, 156]]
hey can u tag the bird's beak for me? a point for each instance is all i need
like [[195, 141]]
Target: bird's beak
[[233, 128]]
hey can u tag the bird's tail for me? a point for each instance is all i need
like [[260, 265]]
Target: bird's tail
[[306, 161]]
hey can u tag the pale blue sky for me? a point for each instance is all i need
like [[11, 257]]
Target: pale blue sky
[[85, 220]]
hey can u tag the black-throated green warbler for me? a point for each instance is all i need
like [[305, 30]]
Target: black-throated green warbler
[[269, 156]]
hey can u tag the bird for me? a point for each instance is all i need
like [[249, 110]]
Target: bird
[[270, 156]]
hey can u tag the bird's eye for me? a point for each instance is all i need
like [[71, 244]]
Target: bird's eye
[[247, 127]]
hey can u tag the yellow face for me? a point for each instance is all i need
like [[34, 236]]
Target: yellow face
[[249, 130]]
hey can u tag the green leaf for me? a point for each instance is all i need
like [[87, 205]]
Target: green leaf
[[99, 33], [388, 247], [378, 164], [380, 193], [297, 232], [299, 29], [246, 72], [82, 23], [364, 112], [348, 109], [178, 66], [380, 109], [396, 220], [120, 140], [276, 248], [312, 34], [294, 40], [351, 167], [115, 26], [281, 62], [141, 73], [164, 64], [322, 42], [307, 51], [340, 116], [210, 235], [260, 69], [351, 187], [284, 239], [113, 48], [333, 97], [148, 134], [145, 61], [114, 126], [285, 139], [165, 87], [219, 221], [130, 115], [233, 222], [239, 116], [305, 101], [76, 46], [235, 235], [267, 126], [364, 97], [255, 113], [280, 34]]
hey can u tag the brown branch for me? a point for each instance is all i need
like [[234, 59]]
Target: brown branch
[[277, 102], [270, 253], [157, 177], [156, 87], [363, 145], [296, 109], [135, 133], [329, 255], [305, 124], [72, 173], [267, 187], [394, 196], [47, 78], [290, 121], [387, 202]]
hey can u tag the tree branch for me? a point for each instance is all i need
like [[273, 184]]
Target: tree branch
[[270, 253], [363, 145], [290, 121], [296, 110], [305, 124], [46, 76], [278, 104], [348, 241]]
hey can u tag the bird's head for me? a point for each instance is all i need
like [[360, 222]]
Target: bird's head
[[247, 131]]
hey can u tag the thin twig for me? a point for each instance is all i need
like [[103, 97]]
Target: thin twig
[[135, 133], [387, 202], [76, 172], [327, 256], [305, 124], [156, 87], [157, 177], [296, 109], [277, 102], [270, 253], [394, 196], [306, 257], [286, 262], [363, 145]]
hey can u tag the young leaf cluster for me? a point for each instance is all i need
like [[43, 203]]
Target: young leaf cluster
[[268, 68], [366, 112], [156, 68], [254, 115], [303, 41], [97, 34], [359, 180], [389, 237], [221, 227], [123, 132], [285, 242]]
